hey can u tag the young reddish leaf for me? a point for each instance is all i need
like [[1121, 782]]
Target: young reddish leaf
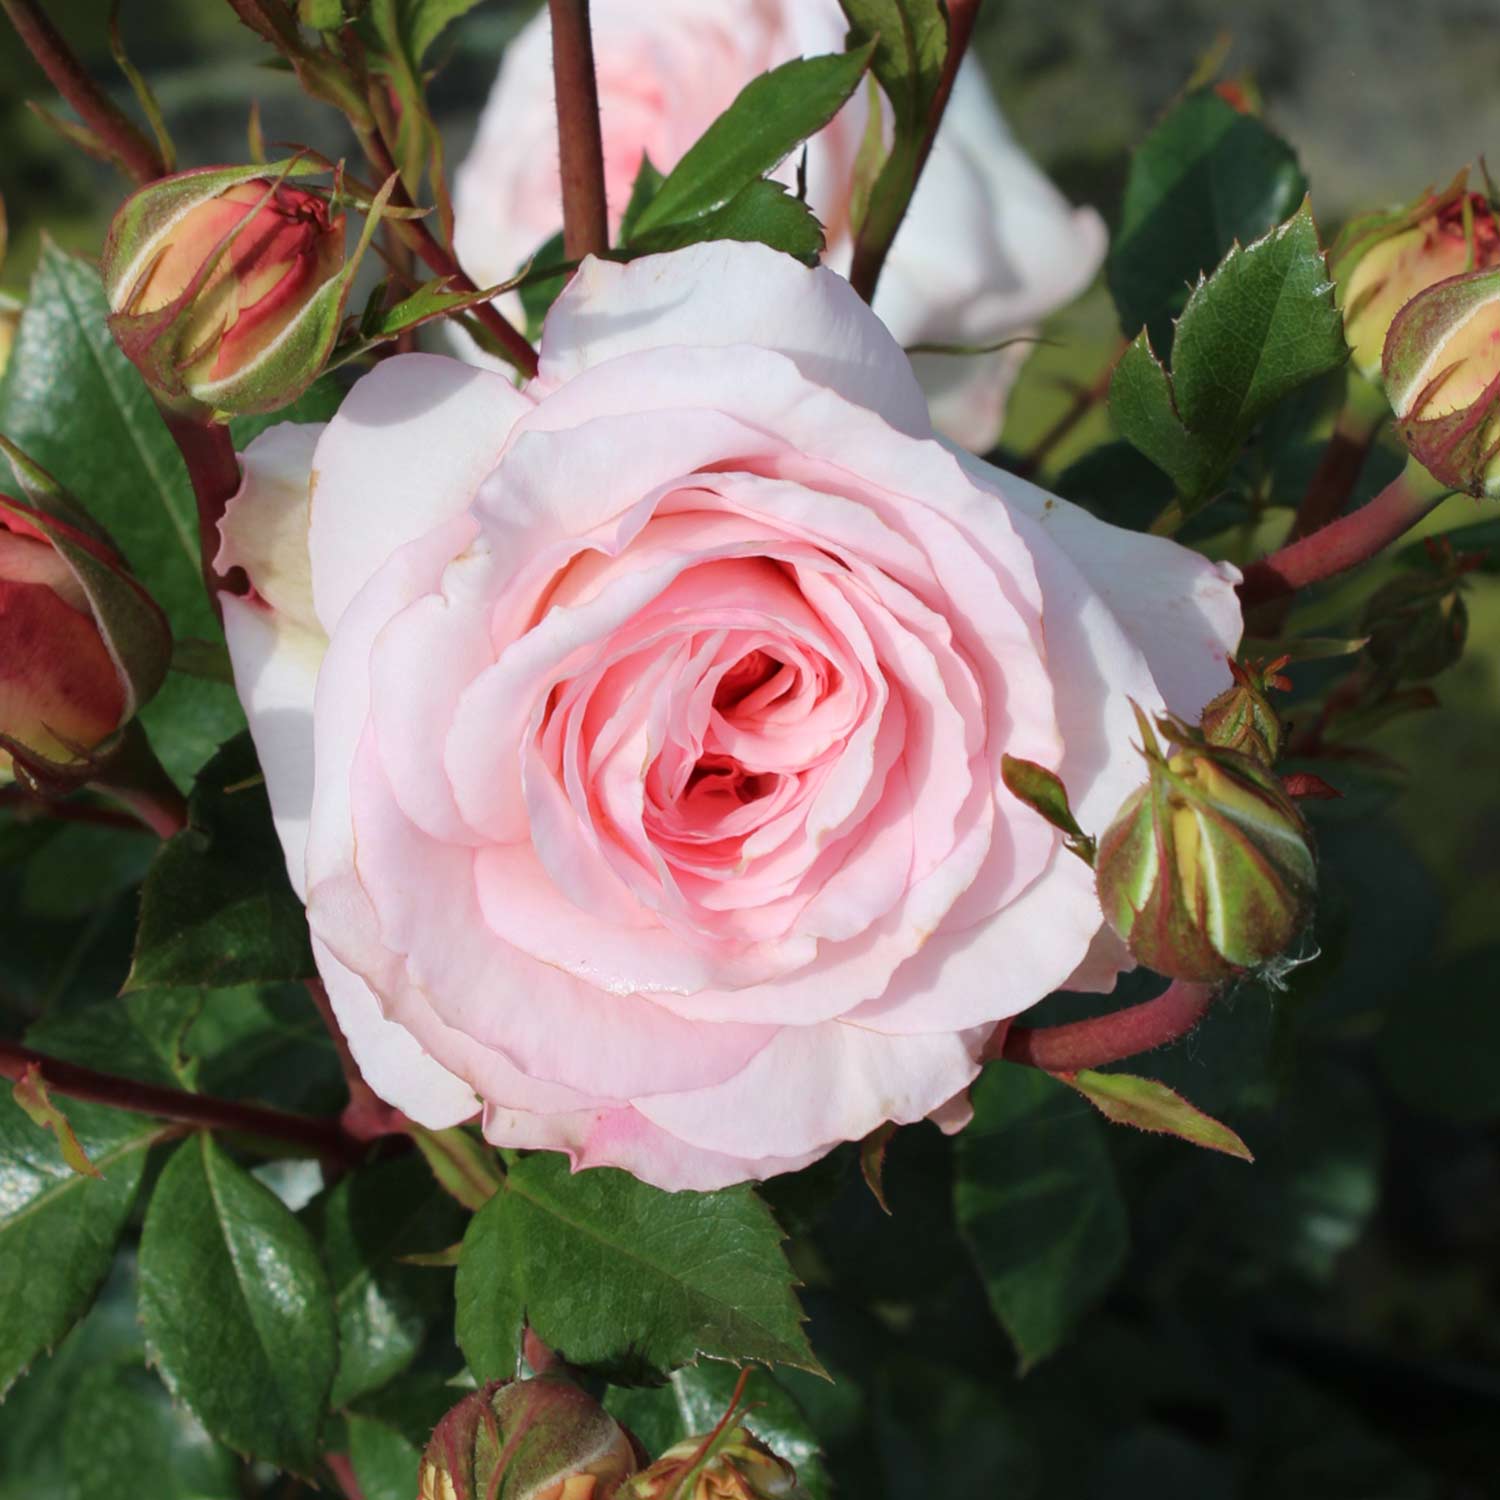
[[872, 1161], [1148, 1105], [31, 1094], [1043, 792]]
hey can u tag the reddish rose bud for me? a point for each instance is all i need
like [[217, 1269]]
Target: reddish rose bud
[[1207, 871], [225, 288], [537, 1439], [1241, 717], [730, 1464], [1382, 260], [81, 644]]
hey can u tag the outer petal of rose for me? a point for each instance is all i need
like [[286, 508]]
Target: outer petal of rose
[[725, 293], [275, 642], [989, 248], [389, 1058], [811, 1084], [1179, 608], [623, 1137], [405, 454]]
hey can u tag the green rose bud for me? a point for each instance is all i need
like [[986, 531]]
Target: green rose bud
[[1241, 717], [1207, 870], [728, 1464], [226, 287], [1382, 260], [537, 1439]]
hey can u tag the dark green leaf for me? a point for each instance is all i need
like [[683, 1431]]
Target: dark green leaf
[[371, 1219], [1152, 1106], [139, 1035], [694, 1400], [539, 290], [77, 406], [217, 908], [1205, 178], [669, 1275], [236, 1307], [762, 212], [1037, 1201], [57, 1229], [385, 1463], [771, 115], [85, 866], [647, 184], [910, 38], [1264, 323], [426, 19]]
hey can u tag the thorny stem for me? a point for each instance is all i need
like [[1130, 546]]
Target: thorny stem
[[1108, 1038], [137, 157], [1346, 542], [580, 149], [439, 259], [324, 1137], [137, 780], [208, 451], [1337, 473], [870, 252]]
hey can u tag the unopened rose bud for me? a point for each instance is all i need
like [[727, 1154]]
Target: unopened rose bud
[[1442, 377], [226, 288], [1382, 260], [82, 646], [728, 1465], [1241, 717], [537, 1439], [1207, 870]]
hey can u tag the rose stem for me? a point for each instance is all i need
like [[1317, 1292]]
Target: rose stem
[[440, 260], [342, 1469], [136, 156], [1344, 543], [322, 1136], [138, 781], [1108, 1038], [1337, 473], [870, 252], [24, 806], [1085, 399], [208, 451], [580, 148]]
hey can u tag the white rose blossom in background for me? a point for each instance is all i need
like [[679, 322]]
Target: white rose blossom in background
[[989, 246], [635, 737]]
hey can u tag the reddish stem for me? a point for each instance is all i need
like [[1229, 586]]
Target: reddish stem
[[870, 252], [579, 145], [1108, 1038], [26, 806], [324, 1137], [137, 157], [208, 451], [1343, 544], [138, 781], [342, 1469]]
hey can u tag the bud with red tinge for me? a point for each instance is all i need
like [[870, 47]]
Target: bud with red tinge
[[1384, 259], [537, 1439], [1241, 717], [82, 646], [728, 1464], [226, 286], [1207, 871]]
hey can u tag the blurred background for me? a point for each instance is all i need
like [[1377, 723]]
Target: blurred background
[[1326, 1322]]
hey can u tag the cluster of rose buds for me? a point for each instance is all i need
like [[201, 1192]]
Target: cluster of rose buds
[[82, 646], [545, 1439], [227, 286]]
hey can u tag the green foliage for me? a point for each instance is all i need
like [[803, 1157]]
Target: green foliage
[[385, 1462], [1207, 178], [770, 117], [1263, 324], [371, 1220], [761, 212], [1151, 1106], [1037, 1200], [670, 1275], [57, 1229], [217, 908], [236, 1306]]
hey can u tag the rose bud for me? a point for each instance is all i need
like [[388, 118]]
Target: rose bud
[[81, 644], [1382, 260], [541, 1439], [727, 1465], [1241, 717], [1207, 870], [226, 288], [1442, 377]]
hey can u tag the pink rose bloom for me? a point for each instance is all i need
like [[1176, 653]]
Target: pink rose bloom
[[635, 738], [988, 249]]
